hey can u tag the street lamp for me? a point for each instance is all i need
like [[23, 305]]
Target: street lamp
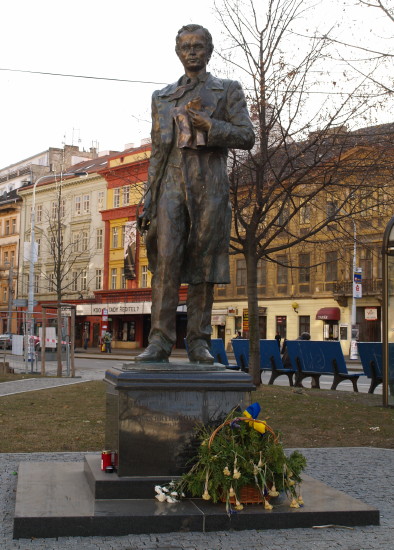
[[353, 341], [32, 259]]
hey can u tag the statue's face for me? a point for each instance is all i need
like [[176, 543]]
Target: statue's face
[[192, 51]]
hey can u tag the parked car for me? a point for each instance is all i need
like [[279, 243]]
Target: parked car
[[5, 341]]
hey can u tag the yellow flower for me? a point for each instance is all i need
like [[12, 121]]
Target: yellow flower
[[231, 492], [300, 500], [290, 482], [294, 504], [267, 505], [256, 469], [226, 471], [260, 463], [206, 496], [236, 474], [273, 492], [239, 506]]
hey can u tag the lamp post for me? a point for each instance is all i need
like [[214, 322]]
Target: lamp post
[[33, 259], [353, 342]]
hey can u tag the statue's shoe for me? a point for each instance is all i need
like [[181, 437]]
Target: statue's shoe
[[200, 354], [153, 354]]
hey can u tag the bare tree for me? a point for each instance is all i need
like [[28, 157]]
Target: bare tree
[[305, 139], [67, 259]]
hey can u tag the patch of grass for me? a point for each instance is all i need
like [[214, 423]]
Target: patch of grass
[[68, 418], [325, 418], [72, 418], [11, 377]]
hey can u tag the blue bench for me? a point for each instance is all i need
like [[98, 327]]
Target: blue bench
[[371, 359], [270, 359], [241, 353], [218, 352], [220, 355], [312, 359]]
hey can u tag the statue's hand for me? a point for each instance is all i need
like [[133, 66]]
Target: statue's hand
[[143, 223], [200, 120]]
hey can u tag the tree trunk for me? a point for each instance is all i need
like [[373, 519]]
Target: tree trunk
[[253, 313]]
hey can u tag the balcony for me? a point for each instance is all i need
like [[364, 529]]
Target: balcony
[[370, 287]]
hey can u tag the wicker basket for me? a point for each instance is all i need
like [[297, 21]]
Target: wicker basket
[[248, 495]]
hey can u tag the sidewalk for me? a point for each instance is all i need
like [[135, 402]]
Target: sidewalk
[[363, 473]]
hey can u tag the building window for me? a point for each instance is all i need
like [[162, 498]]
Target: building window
[[62, 208], [74, 281], [144, 276], [114, 276], [304, 324], [38, 245], [77, 206], [5, 294], [51, 282], [282, 274], [283, 216], [305, 214], [126, 195], [85, 241], [115, 237], [99, 239], [366, 263], [53, 210], [331, 209], [122, 279], [13, 225], [12, 257], [116, 198], [39, 213], [84, 279], [331, 270], [100, 199], [7, 227], [36, 283], [86, 204], [75, 242], [6, 256], [99, 279], [241, 278], [304, 273], [221, 289], [261, 272]]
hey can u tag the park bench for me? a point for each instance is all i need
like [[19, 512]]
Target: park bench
[[270, 359], [371, 359], [220, 355], [312, 359]]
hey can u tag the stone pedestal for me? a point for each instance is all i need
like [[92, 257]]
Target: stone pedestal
[[153, 410]]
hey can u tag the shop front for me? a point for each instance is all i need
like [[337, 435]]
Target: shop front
[[330, 317]]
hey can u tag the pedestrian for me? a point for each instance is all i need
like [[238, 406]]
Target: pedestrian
[[278, 338], [85, 339], [108, 342]]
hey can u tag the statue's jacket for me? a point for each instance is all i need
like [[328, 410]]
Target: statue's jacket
[[205, 175]]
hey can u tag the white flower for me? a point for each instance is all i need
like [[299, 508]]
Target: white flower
[[174, 494], [161, 497], [170, 500], [158, 490]]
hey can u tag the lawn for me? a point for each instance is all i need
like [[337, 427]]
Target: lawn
[[72, 418]]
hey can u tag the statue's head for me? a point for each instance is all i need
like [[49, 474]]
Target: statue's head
[[198, 30]]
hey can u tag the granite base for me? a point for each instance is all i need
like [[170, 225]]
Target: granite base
[[56, 500]]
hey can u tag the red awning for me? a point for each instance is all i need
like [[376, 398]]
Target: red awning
[[329, 314]]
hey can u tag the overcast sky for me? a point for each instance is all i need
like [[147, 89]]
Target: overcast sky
[[121, 39]]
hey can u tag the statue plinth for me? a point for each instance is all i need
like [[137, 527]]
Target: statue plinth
[[153, 410]]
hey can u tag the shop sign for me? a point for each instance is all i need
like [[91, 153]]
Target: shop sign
[[245, 320], [121, 308], [218, 320], [371, 314]]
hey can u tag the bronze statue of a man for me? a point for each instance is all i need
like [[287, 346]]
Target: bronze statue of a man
[[187, 212]]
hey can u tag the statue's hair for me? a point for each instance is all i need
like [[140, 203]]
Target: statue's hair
[[193, 28]]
